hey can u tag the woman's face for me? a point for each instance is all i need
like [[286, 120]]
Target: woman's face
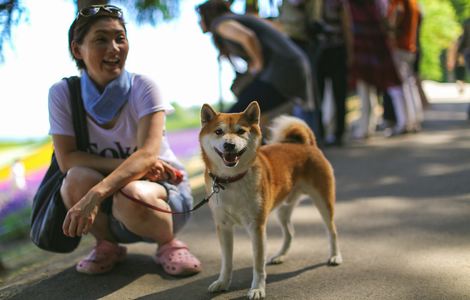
[[104, 51]]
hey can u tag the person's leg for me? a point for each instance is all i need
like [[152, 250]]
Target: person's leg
[[140, 220], [340, 87], [107, 252], [414, 91], [403, 61], [361, 129], [398, 102], [152, 225], [467, 66], [388, 116], [76, 184], [374, 102], [268, 98], [264, 93]]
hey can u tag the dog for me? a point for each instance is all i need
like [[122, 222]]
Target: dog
[[249, 181]]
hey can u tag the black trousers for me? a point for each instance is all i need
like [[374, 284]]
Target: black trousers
[[331, 63]]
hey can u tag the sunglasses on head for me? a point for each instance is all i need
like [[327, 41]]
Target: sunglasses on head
[[95, 9]]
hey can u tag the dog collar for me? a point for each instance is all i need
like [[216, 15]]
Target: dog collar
[[225, 180]]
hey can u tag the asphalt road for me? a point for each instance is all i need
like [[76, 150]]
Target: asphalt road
[[403, 216]]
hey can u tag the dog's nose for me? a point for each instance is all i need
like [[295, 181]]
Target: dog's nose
[[229, 146]]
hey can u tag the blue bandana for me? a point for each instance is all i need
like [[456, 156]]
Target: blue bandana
[[104, 107]]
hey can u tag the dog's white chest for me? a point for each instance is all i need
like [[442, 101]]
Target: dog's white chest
[[237, 204]]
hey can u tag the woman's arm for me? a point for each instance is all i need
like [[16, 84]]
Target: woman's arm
[[234, 31], [149, 137], [69, 156], [81, 216]]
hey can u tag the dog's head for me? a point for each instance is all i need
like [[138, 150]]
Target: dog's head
[[230, 139]]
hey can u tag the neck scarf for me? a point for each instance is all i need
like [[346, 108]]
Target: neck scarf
[[103, 107]]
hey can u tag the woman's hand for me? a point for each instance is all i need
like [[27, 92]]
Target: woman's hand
[[163, 171], [80, 217]]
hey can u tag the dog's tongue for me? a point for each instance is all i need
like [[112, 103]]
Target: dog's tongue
[[230, 157]]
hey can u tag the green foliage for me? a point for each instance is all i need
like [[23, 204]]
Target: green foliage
[[462, 9], [439, 29], [12, 12], [153, 11], [15, 226], [183, 118]]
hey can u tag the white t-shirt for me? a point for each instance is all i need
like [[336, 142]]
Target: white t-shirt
[[120, 141]]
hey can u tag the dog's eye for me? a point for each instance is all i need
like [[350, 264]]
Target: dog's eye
[[241, 131], [219, 131]]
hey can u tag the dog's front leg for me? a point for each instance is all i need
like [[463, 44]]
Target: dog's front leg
[[258, 240], [225, 235]]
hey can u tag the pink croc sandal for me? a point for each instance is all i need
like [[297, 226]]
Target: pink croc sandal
[[102, 258], [176, 259]]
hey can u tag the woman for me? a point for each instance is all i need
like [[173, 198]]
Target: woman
[[280, 69], [372, 66], [128, 153], [331, 65]]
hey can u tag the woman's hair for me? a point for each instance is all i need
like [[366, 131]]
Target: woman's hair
[[80, 27], [209, 11], [212, 9]]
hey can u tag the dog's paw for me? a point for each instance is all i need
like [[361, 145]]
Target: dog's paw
[[256, 294], [335, 260], [219, 286], [276, 260]]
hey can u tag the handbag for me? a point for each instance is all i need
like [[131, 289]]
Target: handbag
[[48, 209]]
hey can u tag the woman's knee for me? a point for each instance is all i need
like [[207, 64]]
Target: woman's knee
[[124, 208], [76, 184]]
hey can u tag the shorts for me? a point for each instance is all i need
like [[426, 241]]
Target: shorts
[[180, 200], [265, 94]]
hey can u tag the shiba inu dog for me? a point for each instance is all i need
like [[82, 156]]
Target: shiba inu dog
[[249, 181]]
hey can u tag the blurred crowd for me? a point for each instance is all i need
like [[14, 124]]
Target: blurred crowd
[[365, 48]]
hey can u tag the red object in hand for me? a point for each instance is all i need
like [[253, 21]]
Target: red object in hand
[[179, 177]]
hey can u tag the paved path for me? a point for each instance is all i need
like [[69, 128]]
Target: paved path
[[403, 215]]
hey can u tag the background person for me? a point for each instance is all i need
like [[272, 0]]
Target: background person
[[280, 69], [464, 51], [331, 63], [403, 18], [18, 177], [371, 65], [128, 151]]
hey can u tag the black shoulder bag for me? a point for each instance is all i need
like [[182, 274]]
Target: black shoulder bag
[[48, 210]]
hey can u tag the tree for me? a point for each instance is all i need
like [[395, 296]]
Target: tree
[[11, 13], [462, 9], [440, 29], [142, 11]]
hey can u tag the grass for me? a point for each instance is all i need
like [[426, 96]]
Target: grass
[[15, 225]]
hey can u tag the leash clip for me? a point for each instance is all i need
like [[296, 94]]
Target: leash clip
[[216, 187]]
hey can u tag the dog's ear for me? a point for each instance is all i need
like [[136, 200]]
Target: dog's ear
[[207, 114], [252, 113]]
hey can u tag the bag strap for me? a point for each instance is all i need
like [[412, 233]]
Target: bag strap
[[78, 113]]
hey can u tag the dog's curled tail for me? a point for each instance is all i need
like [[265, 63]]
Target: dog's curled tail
[[288, 129]]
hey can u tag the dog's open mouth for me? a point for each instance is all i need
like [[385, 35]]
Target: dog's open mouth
[[230, 158]]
